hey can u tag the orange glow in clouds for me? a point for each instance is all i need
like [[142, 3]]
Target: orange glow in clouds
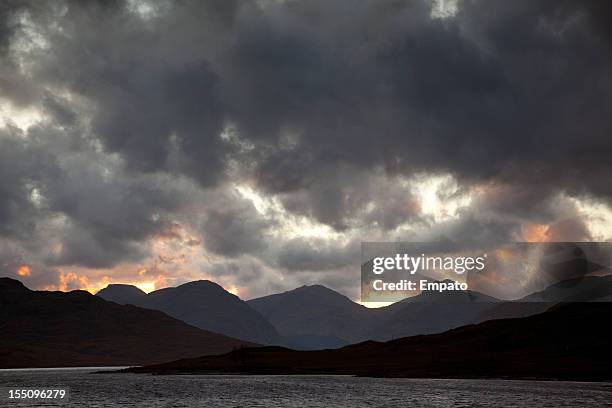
[[73, 280], [535, 233], [24, 270]]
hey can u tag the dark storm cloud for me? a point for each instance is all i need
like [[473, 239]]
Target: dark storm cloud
[[471, 231], [54, 186], [524, 98], [110, 214], [246, 273], [14, 85], [59, 111], [365, 83], [151, 83], [24, 165], [344, 198], [316, 255], [321, 96], [235, 230]]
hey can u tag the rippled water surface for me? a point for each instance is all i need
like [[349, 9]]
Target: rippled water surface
[[131, 390]]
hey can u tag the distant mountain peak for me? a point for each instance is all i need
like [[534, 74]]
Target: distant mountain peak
[[123, 287], [201, 303], [314, 316], [317, 289], [311, 288], [584, 288], [9, 283], [202, 283], [122, 293]]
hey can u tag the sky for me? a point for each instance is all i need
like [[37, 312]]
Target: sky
[[258, 143]]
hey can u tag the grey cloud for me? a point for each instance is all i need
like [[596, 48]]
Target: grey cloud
[[235, 230], [512, 94], [530, 203], [252, 277], [84, 248], [59, 111], [463, 95], [348, 197], [23, 168], [367, 84], [569, 230], [317, 255], [54, 185], [245, 273]]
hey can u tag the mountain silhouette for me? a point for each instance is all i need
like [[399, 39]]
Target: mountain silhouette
[[583, 289], [569, 342], [315, 317], [203, 304], [430, 312], [58, 329], [312, 317], [123, 294]]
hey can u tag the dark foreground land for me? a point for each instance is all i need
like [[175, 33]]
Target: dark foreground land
[[58, 329], [568, 342]]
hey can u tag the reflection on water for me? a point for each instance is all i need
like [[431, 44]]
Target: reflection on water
[[120, 390]]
